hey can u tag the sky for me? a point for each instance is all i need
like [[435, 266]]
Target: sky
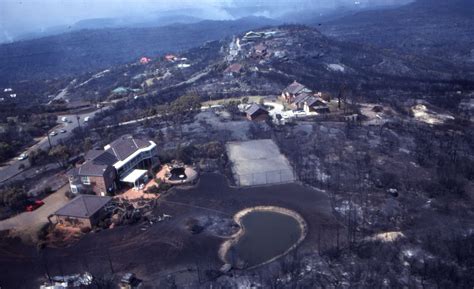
[[22, 16]]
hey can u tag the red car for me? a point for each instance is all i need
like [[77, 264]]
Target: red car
[[33, 205]]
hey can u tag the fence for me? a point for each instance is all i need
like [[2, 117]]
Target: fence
[[265, 178]]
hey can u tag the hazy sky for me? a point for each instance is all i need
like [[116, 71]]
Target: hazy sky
[[20, 16]]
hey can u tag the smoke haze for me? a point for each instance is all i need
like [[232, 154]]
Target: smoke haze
[[19, 17]]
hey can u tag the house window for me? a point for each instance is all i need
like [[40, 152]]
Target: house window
[[85, 180]]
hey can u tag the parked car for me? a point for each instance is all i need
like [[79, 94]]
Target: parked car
[[64, 119], [53, 133], [23, 156], [63, 131], [86, 119], [32, 205]]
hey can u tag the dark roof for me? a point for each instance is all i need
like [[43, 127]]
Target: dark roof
[[98, 161], [301, 97], [92, 154], [72, 172], [89, 168], [295, 87], [313, 101], [83, 206], [254, 108], [126, 145], [105, 158]]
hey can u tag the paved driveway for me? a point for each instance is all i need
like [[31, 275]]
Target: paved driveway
[[31, 222]]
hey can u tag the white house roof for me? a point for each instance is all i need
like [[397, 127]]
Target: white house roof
[[134, 176], [121, 163]]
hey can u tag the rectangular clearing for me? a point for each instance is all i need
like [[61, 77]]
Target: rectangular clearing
[[259, 162]]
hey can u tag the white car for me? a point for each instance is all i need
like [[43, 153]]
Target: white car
[[53, 133], [23, 156]]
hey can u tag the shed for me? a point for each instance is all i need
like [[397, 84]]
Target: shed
[[256, 112], [84, 211]]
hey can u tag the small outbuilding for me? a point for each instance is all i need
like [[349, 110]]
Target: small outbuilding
[[256, 112], [84, 211], [313, 104], [233, 70]]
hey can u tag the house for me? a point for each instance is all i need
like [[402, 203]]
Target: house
[[84, 211], [251, 36], [124, 161], [171, 58], [313, 104], [256, 112], [145, 60], [260, 50], [233, 70], [299, 101], [291, 92], [120, 90]]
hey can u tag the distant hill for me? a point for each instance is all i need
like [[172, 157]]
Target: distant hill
[[91, 50], [102, 23], [437, 28]]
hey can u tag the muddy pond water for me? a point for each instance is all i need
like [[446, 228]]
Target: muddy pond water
[[265, 235]]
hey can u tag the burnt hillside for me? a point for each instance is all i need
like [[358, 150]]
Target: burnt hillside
[[434, 28], [91, 50]]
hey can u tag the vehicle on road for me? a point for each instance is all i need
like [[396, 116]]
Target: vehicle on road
[[86, 119], [23, 156], [33, 204], [64, 119], [53, 133], [63, 131]]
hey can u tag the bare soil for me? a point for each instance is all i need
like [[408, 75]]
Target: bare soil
[[166, 247]]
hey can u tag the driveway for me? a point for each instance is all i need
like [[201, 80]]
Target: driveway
[[28, 223], [278, 108]]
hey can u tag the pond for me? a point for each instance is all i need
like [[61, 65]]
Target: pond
[[266, 234]]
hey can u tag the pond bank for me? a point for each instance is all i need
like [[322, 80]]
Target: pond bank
[[234, 239]]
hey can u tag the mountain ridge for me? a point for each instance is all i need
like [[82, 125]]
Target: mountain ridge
[[91, 50]]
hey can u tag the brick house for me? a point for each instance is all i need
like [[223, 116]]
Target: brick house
[[124, 161], [292, 91], [84, 211]]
